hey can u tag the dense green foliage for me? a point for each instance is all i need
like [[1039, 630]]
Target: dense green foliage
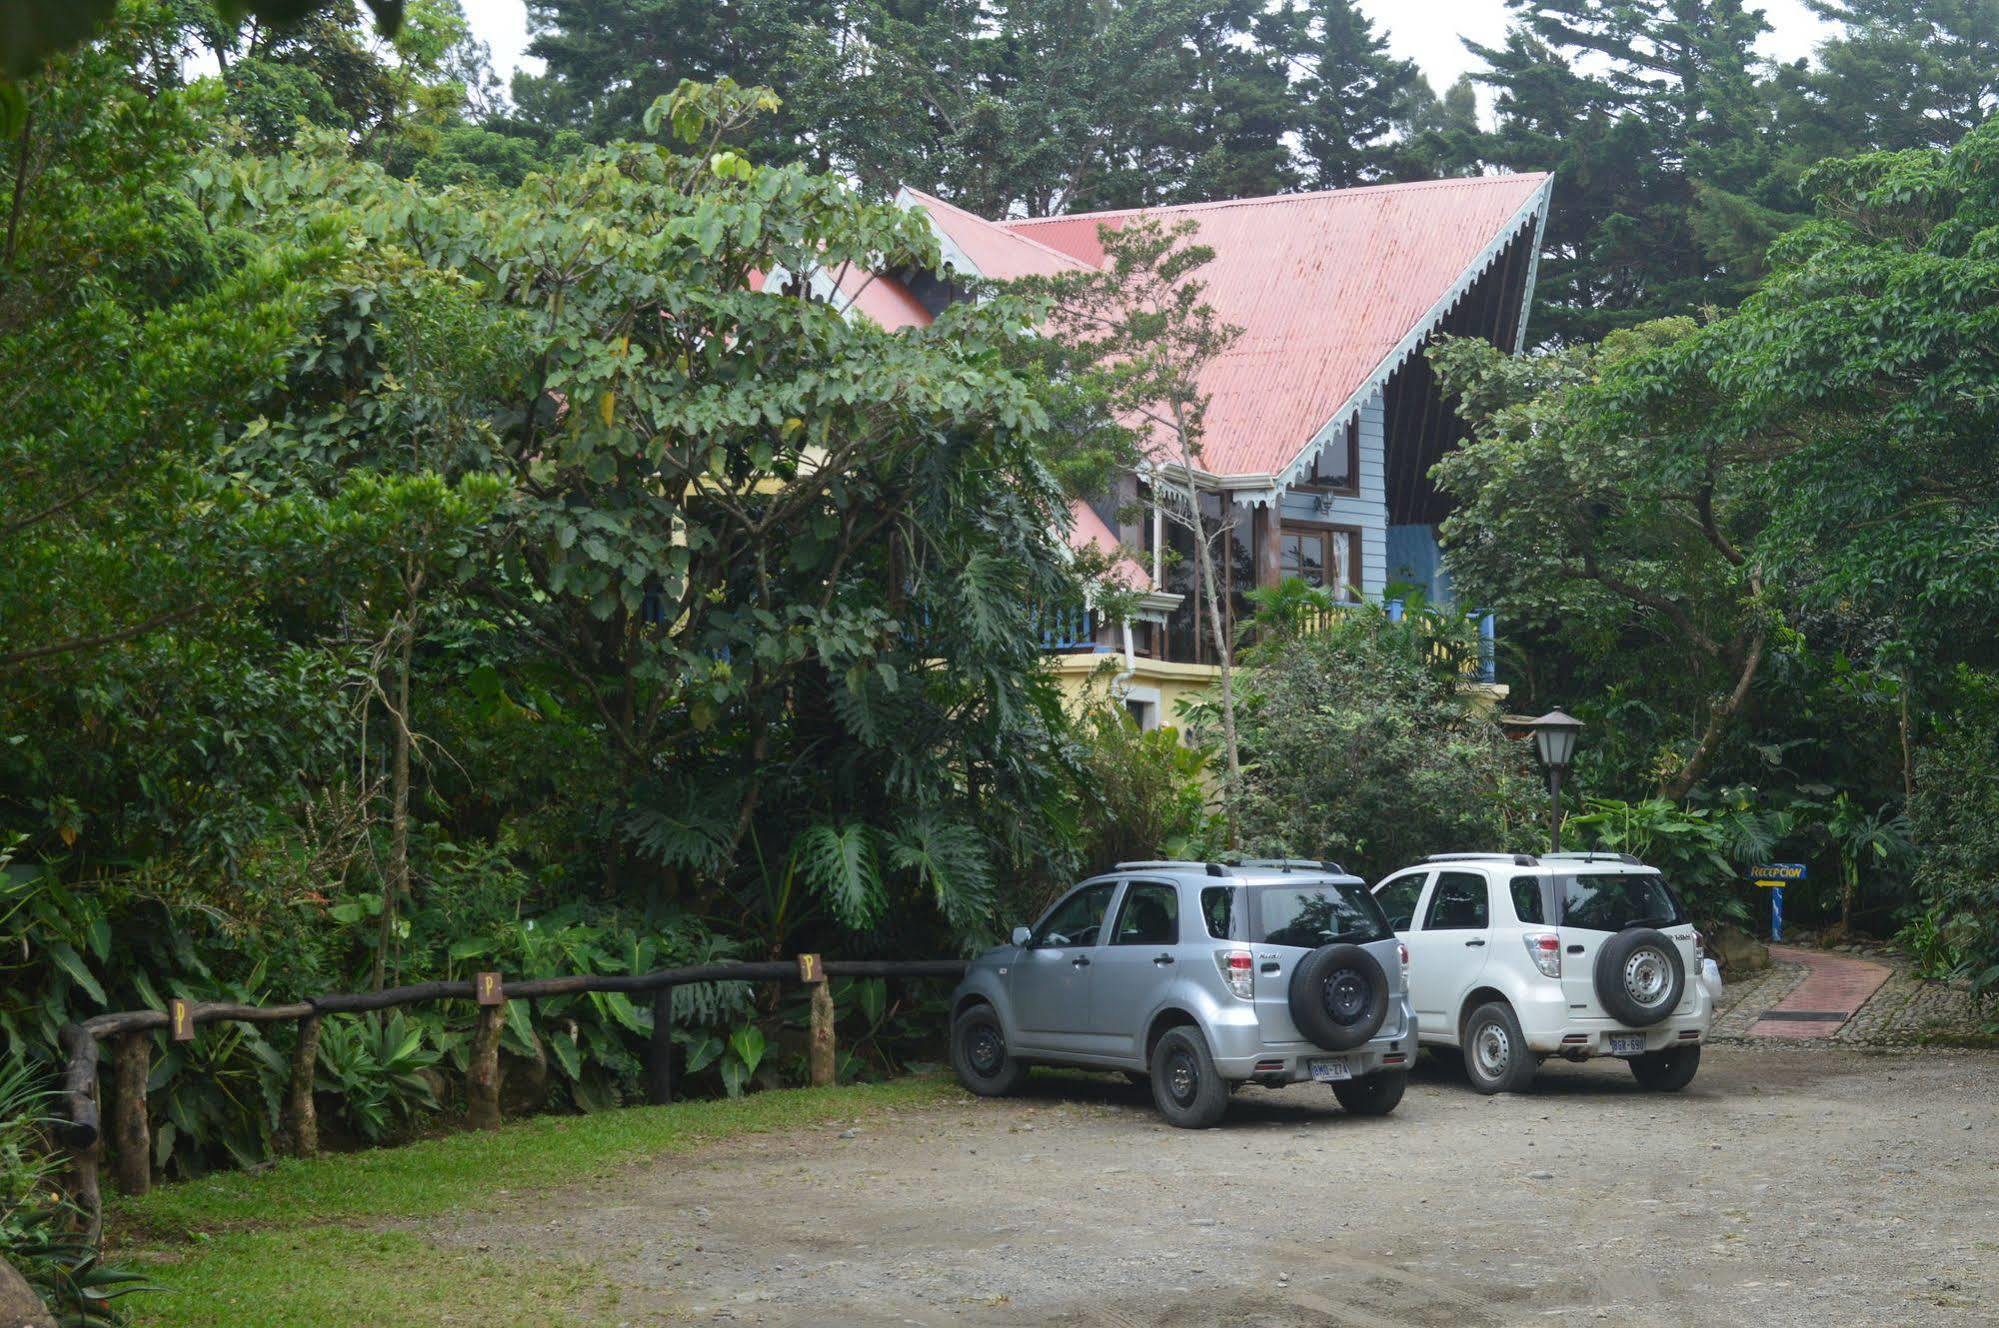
[[408, 574], [1677, 149], [1361, 745], [1759, 552], [439, 534]]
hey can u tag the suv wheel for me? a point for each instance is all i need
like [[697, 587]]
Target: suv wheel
[[1375, 1095], [1185, 1087], [1496, 1054], [1667, 1071], [979, 1054]]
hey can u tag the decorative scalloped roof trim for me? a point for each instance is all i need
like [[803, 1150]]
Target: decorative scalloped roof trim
[[1534, 211], [909, 200]]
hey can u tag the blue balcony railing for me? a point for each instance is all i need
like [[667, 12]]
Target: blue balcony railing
[[1069, 631]]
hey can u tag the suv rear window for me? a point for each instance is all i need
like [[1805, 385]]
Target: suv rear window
[[1612, 901], [1317, 913], [1527, 898], [1224, 919]]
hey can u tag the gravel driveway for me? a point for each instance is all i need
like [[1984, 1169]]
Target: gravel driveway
[[1786, 1187]]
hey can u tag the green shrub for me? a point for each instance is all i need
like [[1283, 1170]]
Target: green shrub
[[37, 1226], [1143, 793], [1954, 819], [1361, 744], [1703, 851]]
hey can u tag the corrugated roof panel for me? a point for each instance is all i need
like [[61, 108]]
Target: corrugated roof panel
[[998, 252], [1088, 531], [1325, 287]]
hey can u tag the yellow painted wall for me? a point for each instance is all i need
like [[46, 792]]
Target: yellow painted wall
[[1082, 676]]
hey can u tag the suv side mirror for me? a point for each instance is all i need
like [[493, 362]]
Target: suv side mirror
[[1020, 935]]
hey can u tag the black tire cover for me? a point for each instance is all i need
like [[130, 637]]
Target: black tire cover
[[1615, 957], [1339, 996]]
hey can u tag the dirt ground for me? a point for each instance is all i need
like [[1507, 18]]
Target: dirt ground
[[1786, 1187]]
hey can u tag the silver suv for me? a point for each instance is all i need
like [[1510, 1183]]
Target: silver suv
[[1198, 976]]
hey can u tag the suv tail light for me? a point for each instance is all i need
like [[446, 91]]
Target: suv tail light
[[1545, 948], [1238, 971], [1700, 945], [1403, 950]]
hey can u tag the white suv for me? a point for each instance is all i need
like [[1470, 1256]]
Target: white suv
[[1514, 958]]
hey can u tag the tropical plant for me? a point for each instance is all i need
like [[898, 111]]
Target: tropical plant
[[1140, 794], [1703, 851], [374, 1070], [1362, 746], [39, 1232], [1954, 822]]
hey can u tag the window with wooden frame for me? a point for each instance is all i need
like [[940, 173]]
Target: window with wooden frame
[[1322, 555], [1337, 467]]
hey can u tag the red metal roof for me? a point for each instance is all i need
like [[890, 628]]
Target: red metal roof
[[997, 251], [1088, 531], [1330, 290], [881, 297]]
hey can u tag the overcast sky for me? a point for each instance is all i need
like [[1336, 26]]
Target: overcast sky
[[1426, 31]]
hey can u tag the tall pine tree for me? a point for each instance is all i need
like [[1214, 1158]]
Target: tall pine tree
[[1358, 99], [1643, 110]]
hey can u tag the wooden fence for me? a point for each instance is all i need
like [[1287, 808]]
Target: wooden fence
[[129, 1032]]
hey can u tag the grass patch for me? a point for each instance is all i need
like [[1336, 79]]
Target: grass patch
[[332, 1277], [289, 1246]]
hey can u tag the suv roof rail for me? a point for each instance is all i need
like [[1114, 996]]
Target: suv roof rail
[[1293, 864], [1172, 864], [1625, 858], [1518, 859]]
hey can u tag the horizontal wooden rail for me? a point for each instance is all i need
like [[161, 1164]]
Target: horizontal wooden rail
[[81, 1130]]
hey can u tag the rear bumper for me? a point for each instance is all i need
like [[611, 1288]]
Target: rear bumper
[[1241, 1053], [1552, 1028]]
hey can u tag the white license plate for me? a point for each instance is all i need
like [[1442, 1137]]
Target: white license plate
[[1627, 1044], [1326, 1072]]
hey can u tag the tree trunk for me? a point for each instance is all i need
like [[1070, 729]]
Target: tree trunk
[[1718, 721], [301, 1115], [398, 884], [1225, 658]]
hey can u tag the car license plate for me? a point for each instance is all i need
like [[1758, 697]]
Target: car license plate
[[1628, 1044], [1326, 1072]]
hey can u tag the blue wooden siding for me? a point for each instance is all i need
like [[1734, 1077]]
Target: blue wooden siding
[[1367, 510], [1414, 559]]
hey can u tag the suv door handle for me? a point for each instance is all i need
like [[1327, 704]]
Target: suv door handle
[[1162, 959], [1476, 940], [1081, 961]]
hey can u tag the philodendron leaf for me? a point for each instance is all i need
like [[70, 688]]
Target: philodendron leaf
[[747, 1043]]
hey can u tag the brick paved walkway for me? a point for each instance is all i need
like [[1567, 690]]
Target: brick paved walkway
[[1834, 989]]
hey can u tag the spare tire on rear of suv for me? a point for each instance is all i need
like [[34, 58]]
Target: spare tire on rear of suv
[[1640, 976], [1339, 996]]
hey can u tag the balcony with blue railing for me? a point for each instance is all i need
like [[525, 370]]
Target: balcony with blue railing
[[1071, 631]]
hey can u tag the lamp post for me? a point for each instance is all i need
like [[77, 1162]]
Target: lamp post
[[1555, 742]]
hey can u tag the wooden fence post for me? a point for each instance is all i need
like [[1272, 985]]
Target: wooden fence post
[[301, 1116], [482, 1076], [659, 1055], [131, 1134], [83, 1187], [819, 1051]]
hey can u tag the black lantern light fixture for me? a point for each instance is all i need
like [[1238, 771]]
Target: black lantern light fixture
[[1555, 742]]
